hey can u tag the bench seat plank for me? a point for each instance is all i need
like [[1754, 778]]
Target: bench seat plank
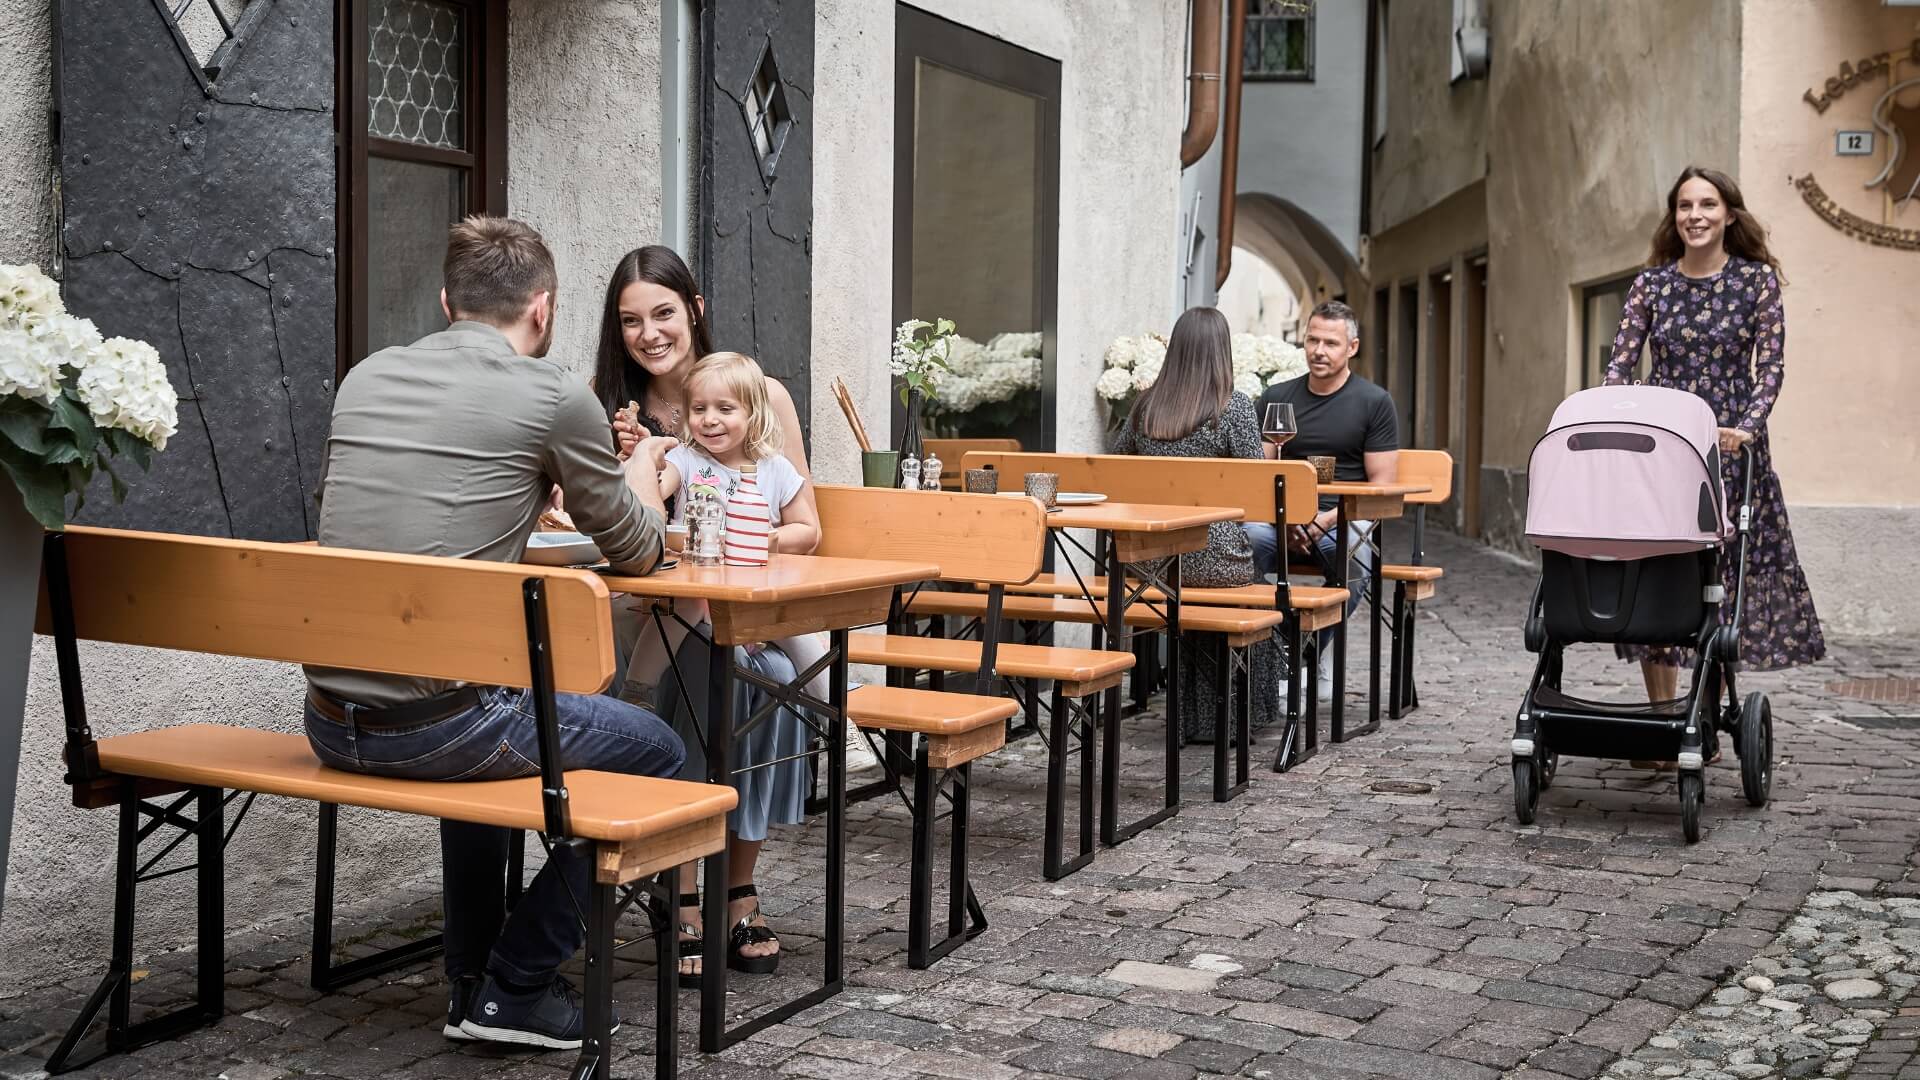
[[926, 712], [1194, 619], [1257, 595], [1080, 671], [601, 805]]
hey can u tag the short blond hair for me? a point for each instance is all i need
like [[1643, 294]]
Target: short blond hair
[[740, 376]]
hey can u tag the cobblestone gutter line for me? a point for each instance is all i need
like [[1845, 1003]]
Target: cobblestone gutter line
[[1807, 1005]]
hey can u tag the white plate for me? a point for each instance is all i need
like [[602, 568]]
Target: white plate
[[1078, 498], [560, 549]]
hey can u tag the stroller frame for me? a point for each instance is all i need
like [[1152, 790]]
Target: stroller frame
[[1692, 721]]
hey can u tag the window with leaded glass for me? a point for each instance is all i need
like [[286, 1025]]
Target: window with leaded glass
[[1279, 40], [424, 145]]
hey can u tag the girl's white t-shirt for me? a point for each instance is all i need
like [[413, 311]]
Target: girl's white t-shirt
[[779, 481]]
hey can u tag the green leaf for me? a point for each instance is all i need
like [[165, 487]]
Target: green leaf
[[119, 485], [61, 452], [942, 327], [41, 489], [24, 423], [128, 445], [69, 416]]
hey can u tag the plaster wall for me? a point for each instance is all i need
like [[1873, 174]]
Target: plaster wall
[[584, 141], [1301, 141], [26, 209], [1843, 440], [1433, 136], [1583, 148], [1121, 72]]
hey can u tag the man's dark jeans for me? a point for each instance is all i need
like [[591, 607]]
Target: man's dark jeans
[[499, 739]]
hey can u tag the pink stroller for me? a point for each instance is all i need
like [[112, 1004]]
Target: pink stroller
[[1626, 505]]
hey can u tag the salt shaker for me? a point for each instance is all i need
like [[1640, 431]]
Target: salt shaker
[[930, 473], [706, 536], [910, 472]]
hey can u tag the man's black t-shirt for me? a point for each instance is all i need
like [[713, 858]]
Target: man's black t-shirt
[[1353, 421]]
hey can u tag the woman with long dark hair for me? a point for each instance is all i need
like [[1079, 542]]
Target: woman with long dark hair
[[1192, 410], [652, 331], [1708, 308]]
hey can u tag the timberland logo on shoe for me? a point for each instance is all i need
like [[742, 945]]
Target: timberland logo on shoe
[[490, 1008]]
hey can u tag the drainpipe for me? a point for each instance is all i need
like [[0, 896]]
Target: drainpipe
[[1203, 101], [1230, 148]]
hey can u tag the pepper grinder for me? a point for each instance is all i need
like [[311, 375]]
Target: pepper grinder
[[930, 473], [910, 472]]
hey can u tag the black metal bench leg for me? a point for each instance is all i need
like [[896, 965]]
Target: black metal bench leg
[[327, 976], [596, 1048], [920, 890], [1299, 739], [1411, 689], [1243, 751], [1396, 658], [1063, 724], [666, 980], [1222, 710], [115, 991]]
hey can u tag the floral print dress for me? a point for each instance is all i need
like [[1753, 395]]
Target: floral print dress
[[1723, 338], [1226, 561]]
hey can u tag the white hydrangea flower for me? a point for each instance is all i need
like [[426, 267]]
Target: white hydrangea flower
[[29, 367], [1114, 384], [125, 386], [1248, 384], [1145, 372], [26, 292]]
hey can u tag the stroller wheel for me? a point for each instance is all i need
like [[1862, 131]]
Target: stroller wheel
[[1693, 792], [1525, 793], [1549, 765], [1756, 748]]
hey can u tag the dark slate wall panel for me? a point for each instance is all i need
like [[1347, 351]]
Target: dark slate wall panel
[[125, 301], [200, 217], [756, 250]]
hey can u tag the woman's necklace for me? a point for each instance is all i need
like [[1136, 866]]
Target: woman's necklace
[[660, 409]]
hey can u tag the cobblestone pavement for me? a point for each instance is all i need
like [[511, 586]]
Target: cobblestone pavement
[[1319, 926]]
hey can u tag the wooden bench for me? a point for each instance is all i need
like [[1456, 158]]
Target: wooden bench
[[1416, 581], [995, 541], [477, 622], [951, 451], [1237, 629], [1266, 491]]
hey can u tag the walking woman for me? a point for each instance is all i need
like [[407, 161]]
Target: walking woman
[[1708, 305], [1192, 410]]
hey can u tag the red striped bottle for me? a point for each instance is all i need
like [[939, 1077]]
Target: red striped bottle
[[749, 521]]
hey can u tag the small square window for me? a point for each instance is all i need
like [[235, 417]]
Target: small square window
[[1279, 40], [763, 104]]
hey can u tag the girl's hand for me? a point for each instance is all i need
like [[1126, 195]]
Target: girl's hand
[[1732, 439], [626, 429]]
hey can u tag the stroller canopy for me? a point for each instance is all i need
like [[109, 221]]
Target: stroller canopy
[[1627, 472]]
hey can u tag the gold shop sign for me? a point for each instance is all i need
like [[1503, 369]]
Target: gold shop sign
[[1899, 128]]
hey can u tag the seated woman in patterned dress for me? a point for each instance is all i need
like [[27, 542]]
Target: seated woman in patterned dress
[[1192, 410]]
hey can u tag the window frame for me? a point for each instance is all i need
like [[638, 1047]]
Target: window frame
[[485, 156], [1265, 23], [1592, 370]]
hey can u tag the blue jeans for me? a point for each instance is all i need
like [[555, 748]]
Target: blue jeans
[[1266, 560], [499, 739]]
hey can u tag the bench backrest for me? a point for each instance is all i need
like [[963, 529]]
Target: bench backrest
[[458, 619], [975, 538], [1167, 481], [1433, 468], [950, 451]]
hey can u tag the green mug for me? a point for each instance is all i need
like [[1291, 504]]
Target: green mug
[[878, 468]]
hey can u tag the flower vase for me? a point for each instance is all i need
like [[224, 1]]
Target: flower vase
[[21, 538], [910, 431]]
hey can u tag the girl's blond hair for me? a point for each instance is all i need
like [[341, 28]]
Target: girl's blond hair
[[743, 380]]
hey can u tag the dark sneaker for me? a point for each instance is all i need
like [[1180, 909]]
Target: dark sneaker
[[553, 1017], [460, 997]]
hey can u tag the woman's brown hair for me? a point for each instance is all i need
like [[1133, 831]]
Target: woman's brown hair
[[1745, 236], [1195, 381], [617, 378]]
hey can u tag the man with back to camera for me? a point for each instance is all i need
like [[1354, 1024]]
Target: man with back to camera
[[1343, 416], [451, 446]]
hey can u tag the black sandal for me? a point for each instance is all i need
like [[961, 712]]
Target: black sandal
[[692, 942], [745, 933]]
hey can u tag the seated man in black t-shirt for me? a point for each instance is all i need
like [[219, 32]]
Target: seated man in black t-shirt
[[1341, 415]]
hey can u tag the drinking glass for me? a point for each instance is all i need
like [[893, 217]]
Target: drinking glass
[[1277, 426]]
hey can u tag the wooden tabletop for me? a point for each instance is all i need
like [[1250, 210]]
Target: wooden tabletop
[[1138, 517], [1351, 488], [785, 578]]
